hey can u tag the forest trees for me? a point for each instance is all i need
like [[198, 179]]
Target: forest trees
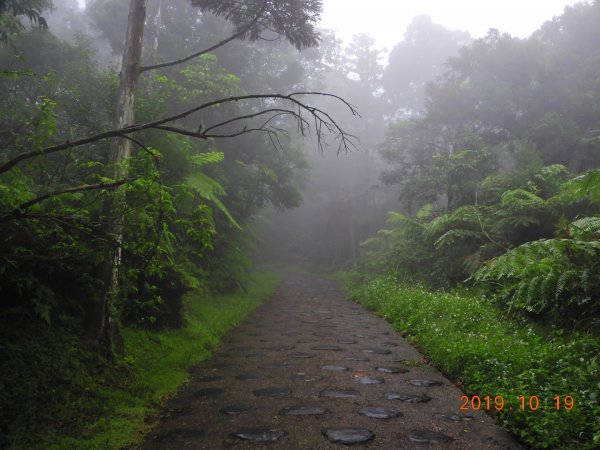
[[95, 197], [499, 172]]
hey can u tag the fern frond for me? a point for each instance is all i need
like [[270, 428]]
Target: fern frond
[[455, 236], [586, 228]]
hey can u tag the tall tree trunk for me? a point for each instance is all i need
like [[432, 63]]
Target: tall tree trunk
[[98, 321]]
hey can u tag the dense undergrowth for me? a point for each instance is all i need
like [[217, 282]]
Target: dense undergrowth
[[57, 393], [474, 343]]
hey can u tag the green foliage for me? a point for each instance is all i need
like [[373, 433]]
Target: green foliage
[[11, 12], [58, 393], [474, 343], [586, 185], [554, 279], [557, 279], [296, 21]]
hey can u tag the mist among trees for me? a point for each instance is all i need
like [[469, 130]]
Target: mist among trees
[[154, 153]]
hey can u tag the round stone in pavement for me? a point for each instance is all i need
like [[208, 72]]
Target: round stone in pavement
[[233, 410], [376, 351], [333, 367], [452, 417], [275, 392], [273, 366], [303, 411], [259, 434], [364, 336], [379, 412], [408, 398], [348, 436], [331, 348], [339, 393], [278, 348], [306, 377], [357, 358], [301, 355], [322, 335], [428, 437], [425, 383], [209, 393], [371, 380], [391, 369], [178, 434]]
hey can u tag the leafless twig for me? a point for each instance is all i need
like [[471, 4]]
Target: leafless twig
[[323, 122]]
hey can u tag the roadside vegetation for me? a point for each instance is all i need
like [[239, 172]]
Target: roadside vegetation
[[131, 201], [492, 265], [489, 354], [79, 400]]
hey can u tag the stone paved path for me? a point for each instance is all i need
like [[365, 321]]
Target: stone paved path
[[311, 370]]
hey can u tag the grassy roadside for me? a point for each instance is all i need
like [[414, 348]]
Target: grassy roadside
[[472, 342], [158, 364]]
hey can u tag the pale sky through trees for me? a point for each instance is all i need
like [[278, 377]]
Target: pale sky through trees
[[386, 20]]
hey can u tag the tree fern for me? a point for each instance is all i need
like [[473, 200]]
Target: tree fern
[[549, 277]]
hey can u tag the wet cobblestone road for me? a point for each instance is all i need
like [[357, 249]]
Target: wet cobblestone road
[[311, 370]]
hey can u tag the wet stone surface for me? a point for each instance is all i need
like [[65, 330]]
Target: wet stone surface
[[388, 369], [274, 366], [339, 393], [249, 376], [236, 409], [179, 434], [209, 393], [371, 380], [306, 378], [208, 378], [425, 383], [348, 436], [328, 348], [259, 434], [303, 411], [452, 416], [408, 398], [275, 392], [364, 336], [376, 351], [357, 358], [311, 370], [379, 412], [279, 348], [333, 368], [302, 355]]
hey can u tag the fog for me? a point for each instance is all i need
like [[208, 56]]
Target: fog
[[386, 20], [399, 64], [168, 165]]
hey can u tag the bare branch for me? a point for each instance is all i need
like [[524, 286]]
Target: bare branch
[[234, 36], [321, 118], [21, 210]]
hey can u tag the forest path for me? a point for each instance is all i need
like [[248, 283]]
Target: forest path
[[308, 363]]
